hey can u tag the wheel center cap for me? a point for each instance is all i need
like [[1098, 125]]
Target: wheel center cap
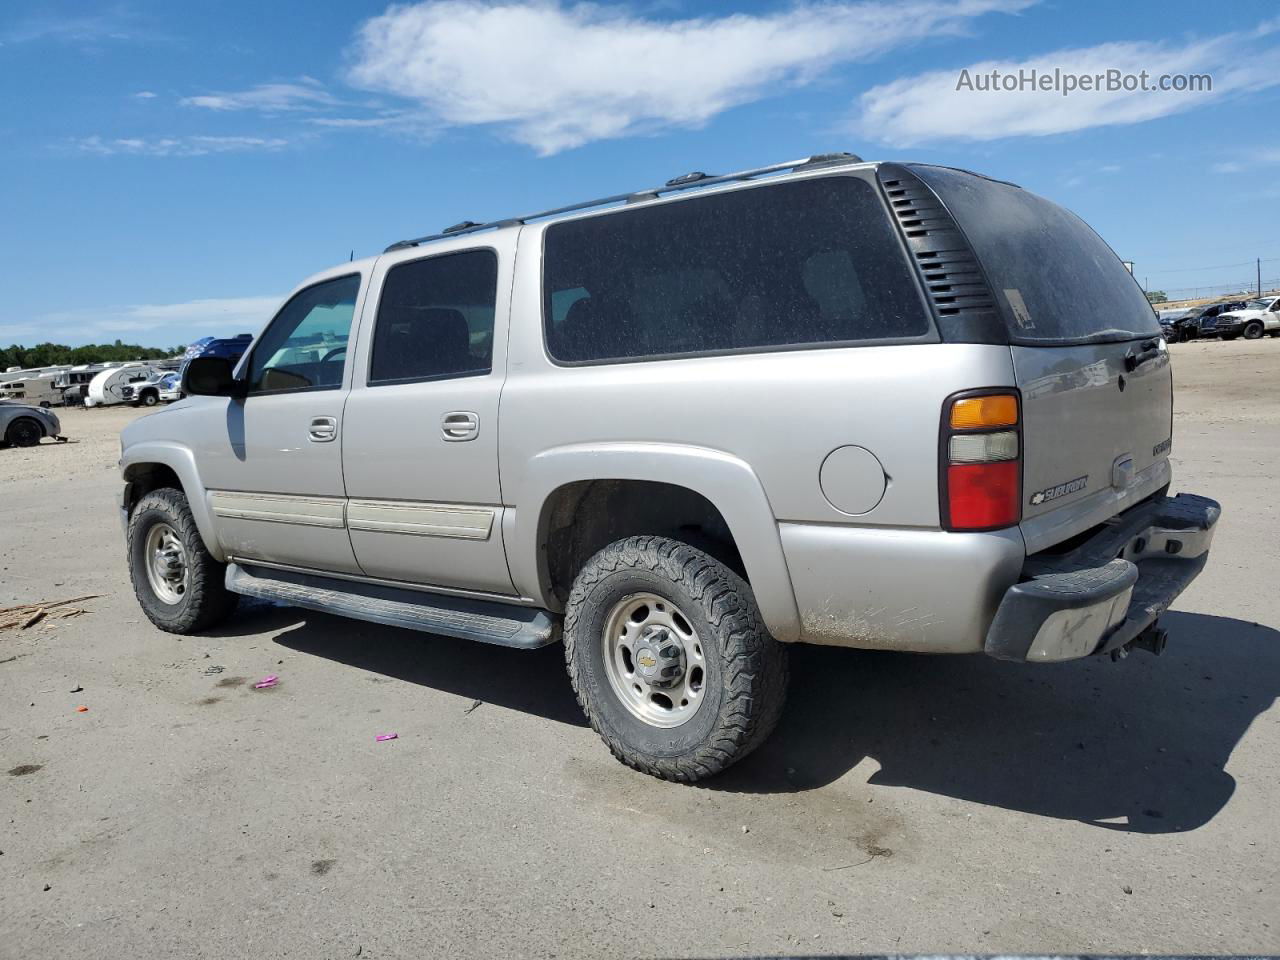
[[659, 657]]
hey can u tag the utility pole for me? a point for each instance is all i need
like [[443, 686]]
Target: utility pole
[[1259, 264]]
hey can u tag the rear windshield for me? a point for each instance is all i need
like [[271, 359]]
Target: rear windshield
[[1055, 279], [791, 264]]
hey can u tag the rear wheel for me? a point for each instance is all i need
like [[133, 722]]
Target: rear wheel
[[670, 659], [178, 583], [1253, 331], [23, 432]]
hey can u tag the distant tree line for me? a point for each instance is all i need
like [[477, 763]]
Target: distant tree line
[[55, 354]]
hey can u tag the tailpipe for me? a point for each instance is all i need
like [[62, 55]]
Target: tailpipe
[[1152, 639]]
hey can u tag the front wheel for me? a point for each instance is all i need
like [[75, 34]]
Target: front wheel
[[179, 584], [150, 399], [1253, 331], [23, 432], [670, 659]]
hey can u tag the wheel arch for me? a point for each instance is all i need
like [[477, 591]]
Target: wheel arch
[[706, 488], [19, 419], [151, 466]]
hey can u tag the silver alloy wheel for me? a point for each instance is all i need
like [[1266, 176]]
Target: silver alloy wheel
[[654, 660], [166, 560]]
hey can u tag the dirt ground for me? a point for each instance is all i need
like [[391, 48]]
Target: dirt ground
[[906, 804]]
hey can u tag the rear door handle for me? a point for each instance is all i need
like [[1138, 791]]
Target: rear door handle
[[323, 429], [460, 425]]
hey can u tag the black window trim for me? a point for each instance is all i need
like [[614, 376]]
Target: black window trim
[[930, 335], [430, 378], [318, 388]]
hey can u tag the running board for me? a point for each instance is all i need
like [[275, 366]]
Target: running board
[[507, 625]]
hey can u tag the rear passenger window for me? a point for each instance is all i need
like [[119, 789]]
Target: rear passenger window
[[435, 319], [807, 262]]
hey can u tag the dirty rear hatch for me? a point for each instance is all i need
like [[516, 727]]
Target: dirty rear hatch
[[1087, 350]]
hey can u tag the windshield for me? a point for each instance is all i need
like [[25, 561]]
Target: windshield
[[1055, 280], [1257, 305]]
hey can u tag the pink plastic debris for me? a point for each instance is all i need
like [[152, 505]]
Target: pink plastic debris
[[268, 681], [386, 736]]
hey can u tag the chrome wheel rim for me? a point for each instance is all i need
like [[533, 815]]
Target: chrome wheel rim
[[166, 560], [654, 660]]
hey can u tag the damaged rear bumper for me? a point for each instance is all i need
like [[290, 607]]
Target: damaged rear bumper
[[1104, 593]]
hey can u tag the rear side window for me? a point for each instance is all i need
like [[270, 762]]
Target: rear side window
[[791, 264], [1053, 277], [435, 319]]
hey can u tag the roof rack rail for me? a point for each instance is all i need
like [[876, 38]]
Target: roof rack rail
[[684, 182]]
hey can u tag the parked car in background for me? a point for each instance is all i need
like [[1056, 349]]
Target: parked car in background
[[25, 425], [666, 428], [232, 348], [1252, 321], [1200, 321], [147, 393]]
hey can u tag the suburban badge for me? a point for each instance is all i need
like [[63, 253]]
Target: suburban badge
[[1061, 490]]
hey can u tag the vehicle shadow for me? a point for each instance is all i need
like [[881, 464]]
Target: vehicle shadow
[[530, 681], [1140, 745]]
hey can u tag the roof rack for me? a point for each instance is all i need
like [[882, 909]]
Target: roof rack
[[686, 181]]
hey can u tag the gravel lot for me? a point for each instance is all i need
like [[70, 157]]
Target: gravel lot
[[907, 804]]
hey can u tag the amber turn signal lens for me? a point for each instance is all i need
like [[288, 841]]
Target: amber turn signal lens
[[973, 413]]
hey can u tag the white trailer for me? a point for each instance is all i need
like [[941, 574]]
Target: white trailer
[[106, 388], [42, 391]]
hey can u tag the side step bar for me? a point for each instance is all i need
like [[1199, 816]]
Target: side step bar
[[507, 625]]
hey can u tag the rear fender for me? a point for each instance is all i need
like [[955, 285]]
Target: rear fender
[[727, 482]]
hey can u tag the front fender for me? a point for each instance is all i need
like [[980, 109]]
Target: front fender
[[727, 482], [181, 461]]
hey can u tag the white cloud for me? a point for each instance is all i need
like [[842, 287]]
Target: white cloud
[[144, 95], [1266, 157], [306, 94], [554, 76], [187, 146], [929, 107], [354, 122], [166, 323], [115, 25]]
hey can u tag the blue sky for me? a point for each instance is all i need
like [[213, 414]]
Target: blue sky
[[170, 170]]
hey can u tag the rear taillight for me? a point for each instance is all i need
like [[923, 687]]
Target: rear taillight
[[981, 460]]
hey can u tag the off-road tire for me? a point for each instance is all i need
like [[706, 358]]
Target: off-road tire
[[746, 668], [1253, 330], [207, 600], [24, 432]]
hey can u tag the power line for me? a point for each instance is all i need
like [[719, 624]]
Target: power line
[[1220, 266]]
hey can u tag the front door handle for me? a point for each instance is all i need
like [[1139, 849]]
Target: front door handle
[[460, 425], [323, 429]]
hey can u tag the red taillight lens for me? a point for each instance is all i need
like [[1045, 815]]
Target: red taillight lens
[[983, 495], [981, 453]]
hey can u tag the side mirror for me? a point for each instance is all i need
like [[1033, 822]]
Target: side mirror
[[211, 377]]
